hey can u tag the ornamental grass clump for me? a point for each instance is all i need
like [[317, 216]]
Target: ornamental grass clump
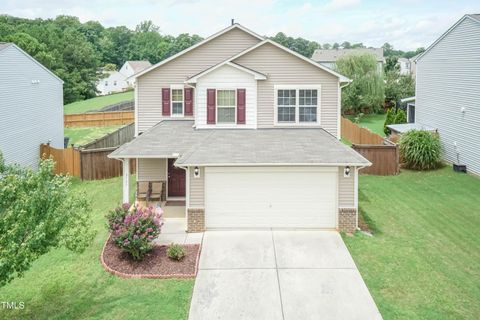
[[133, 228], [176, 252], [420, 150]]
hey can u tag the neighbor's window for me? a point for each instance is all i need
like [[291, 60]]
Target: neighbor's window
[[177, 102], [115, 83], [106, 83], [226, 106], [307, 105], [286, 105]]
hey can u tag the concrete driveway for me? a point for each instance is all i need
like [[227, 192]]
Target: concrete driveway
[[278, 275]]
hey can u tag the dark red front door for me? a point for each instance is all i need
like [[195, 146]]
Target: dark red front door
[[176, 180]]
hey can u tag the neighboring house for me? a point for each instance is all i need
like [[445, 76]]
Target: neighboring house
[[329, 57], [31, 107], [405, 66], [413, 65], [448, 91], [118, 81], [246, 132]]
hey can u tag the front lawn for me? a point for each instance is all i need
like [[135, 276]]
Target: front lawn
[[424, 262], [374, 122], [64, 285], [97, 102], [83, 135]]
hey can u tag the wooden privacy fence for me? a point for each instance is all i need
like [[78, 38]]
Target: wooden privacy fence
[[66, 160], [382, 153], [91, 164], [384, 158], [92, 119], [114, 139], [358, 135]]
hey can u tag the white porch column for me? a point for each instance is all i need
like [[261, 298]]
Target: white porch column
[[126, 180]]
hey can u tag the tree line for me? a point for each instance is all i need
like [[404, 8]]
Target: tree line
[[307, 47], [75, 51]]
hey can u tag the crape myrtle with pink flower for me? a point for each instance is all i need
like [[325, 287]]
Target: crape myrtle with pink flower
[[134, 228]]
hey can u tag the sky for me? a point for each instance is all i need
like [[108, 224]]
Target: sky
[[406, 24]]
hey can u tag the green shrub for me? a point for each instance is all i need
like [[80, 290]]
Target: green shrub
[[389, 119], [420, 149], [400, 117], [176, 252], [133, 229]]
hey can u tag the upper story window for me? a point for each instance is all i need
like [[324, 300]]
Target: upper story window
[[287, 101], [226, 106], [177, 102], [307, 105], [297, 105]]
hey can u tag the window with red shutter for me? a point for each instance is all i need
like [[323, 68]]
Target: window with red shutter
[[188, 101], [211, 105], [166, 101], [241, 104]]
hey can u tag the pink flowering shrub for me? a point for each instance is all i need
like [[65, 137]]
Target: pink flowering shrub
[[133, 228]]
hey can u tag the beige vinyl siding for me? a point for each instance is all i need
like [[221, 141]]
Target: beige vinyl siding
[[346, 189], [150, 85], [197, 189], [283, 68], [152, 170]]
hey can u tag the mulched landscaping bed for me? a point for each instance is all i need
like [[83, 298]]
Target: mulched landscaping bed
[[156, 264]]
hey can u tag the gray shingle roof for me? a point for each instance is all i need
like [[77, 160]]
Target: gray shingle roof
[[332, 55], [139, 65], [276, 146]]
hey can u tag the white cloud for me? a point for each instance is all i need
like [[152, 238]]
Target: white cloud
[[334, 5]]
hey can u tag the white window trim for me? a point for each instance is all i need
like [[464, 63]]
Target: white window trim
[[177, 87], [296, 87], [216, 107]]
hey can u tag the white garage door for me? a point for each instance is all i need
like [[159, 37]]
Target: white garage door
[[271, 197]]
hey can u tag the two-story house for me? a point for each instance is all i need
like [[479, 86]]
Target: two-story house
[[31, 107], [246, 132], [119, 81]]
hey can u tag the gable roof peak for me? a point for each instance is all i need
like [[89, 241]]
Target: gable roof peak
[[213, 36]]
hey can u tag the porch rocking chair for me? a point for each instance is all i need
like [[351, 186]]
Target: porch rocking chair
[[155, 191], [143, 190]]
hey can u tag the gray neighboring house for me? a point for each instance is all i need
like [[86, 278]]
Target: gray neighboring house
[[448, 91], [244, 133], [31, 106], [329, 57]]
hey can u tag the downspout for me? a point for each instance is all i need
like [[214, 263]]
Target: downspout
[[187, 191], [356, 193]]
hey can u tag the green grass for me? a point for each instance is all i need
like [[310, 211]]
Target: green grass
[[374, 122], [65, 285], [83, 135], [424, 262], [97, 102]]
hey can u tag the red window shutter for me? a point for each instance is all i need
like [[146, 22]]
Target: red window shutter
[[211, 104], [166, 101], [241, 106], [188, 92]]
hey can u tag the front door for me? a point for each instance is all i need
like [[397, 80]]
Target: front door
[[176, 180]]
